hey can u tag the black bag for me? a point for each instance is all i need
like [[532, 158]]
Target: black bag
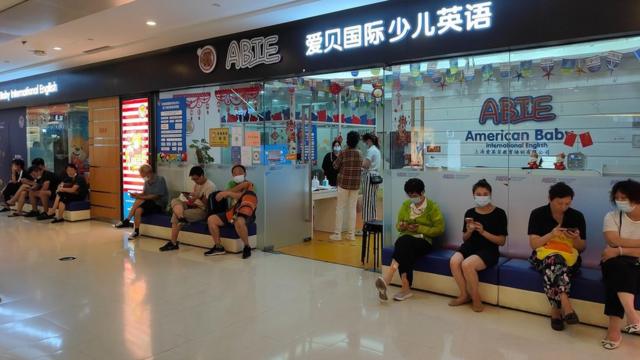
[[375, 179], [214, 206]]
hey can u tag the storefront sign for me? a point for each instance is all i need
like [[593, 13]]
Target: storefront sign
[[135, 147], [517, 110], [39, 89], [248, 53], [219, 137], [172, 130], [470, 17]]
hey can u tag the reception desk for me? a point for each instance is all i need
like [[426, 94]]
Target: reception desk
[[324, 209]]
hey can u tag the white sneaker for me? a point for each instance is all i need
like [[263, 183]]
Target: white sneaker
[[335, 237], [351, 238], [403, 295]]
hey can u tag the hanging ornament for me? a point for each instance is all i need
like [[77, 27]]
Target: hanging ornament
[[335, 88], [300, 83], [397, 84], [355, 73], [450, 77], [469, 74], [443, 85], [487, 72], [614, 59], [432, 68], [567, 66], [291, 90], [377, 92], [375, 71], [418, 81], [547, 66], [414, 69], [526, 68], [357, 84], [593, 64]]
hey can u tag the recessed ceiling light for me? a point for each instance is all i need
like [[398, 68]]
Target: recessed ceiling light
[[151, 23], [57, 48]]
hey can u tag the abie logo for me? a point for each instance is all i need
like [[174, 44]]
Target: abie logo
[[517, 110]]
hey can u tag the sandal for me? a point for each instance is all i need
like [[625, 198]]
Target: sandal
[[633, 329], [610, 344]]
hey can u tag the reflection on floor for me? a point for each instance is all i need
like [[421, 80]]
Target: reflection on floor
[[337, 252], [124, 300]]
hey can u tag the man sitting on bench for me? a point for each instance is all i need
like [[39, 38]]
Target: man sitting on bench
[[152, 200], [45, 184], [73, 188], [17, 173], [26, 182], [242, 212]]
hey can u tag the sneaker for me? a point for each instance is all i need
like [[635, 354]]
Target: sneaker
[[557, 324], [571, 318], [169, 246], [56, 220], [122, 224], [351, 237], [31, 214], [216, 250], [134, 234], [16, 214], [246, 252], [335, 237], [403, 295], [381, 285], [44, 216]]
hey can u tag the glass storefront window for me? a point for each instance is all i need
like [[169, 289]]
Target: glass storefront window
[[59, 134]]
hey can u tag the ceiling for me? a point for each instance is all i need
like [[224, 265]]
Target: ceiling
[[117, 28]]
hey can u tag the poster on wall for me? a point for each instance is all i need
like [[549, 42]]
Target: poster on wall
[[135, 147], [171, 130], [219, 137], [310, 144], [252, 138]]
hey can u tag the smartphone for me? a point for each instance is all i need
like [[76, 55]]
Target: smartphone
[[573, 230], [468, 220]]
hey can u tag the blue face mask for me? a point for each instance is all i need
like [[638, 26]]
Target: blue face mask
[[416, 200], [625, 206]]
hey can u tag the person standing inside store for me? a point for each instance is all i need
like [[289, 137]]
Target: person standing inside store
[[189, 207], [371, 165], [15, 181], [330, 172], [621, 262], [557, 235], [152, 200], [483, 232], [349, 167]]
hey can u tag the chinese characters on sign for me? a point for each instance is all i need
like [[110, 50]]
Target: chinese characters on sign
[[173, 131], [219, 137], [470, 17]]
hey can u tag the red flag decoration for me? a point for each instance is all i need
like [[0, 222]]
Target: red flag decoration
[[322, 115], [585, 139], [570, 138], [277, 116]]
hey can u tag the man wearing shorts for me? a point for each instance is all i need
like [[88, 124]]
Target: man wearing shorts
[[242, 212], [45, 185], [189, 207], [152, 200]]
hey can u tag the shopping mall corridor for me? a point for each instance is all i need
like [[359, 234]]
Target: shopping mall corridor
[[125, 300]]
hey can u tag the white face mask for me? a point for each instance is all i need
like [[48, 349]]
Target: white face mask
[[238, 179], [625, 206], [416, 200], [482, 200], [337, 149]]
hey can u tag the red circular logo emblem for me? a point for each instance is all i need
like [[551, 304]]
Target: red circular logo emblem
[[207, 58]]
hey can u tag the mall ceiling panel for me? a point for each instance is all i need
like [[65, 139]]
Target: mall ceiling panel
[[21, 18]]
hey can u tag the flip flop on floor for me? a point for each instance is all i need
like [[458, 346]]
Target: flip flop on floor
[[633, 329], [610, 344]]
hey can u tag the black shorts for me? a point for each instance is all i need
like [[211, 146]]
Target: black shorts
[[150, 207], [67, 198], [488, 255], [223, 216]]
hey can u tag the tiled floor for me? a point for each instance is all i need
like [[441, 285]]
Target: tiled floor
[[123, 300]]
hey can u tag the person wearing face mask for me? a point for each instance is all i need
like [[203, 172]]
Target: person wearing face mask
[[621, 262], [483, 232], [419, 222], [152, 200], [242, 212], [557, 235], [327, 164]]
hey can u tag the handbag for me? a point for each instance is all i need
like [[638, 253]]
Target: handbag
[[375, 179]]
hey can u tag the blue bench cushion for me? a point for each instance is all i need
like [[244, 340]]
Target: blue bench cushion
[[79, 205], [197, 227], [437, 262], [586, 285]]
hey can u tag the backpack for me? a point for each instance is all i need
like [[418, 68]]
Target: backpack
[[245, 206], [215, 206]]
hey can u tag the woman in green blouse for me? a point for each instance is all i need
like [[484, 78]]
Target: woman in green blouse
[[419, 222]]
